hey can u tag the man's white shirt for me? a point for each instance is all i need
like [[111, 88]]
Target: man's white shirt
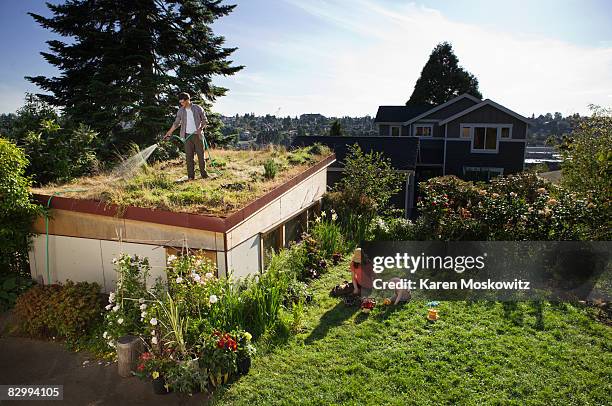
[[191, 128]]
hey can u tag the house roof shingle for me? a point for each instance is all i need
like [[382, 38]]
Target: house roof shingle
[[401, 150], [397, 114]]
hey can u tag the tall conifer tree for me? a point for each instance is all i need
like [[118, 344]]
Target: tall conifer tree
[[123, 62], [442, 79]]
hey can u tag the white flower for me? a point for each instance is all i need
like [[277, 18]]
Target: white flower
[[111, 297], [171, 259], [323, 214], [108, 306], [143, 314], [105, 335], [111, 344], [179, 279], [153, 332], [318, 220], [334, 216], [153, 321], [120, 321], [114, 261], [143, 306], [196, 277], [213, 299], [209, 275], [154, 340], [141, 300], [116, 308]]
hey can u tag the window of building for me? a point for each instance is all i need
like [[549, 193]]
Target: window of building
[[485, 137], [395, 130], [475, 173], [295, 227], [198, 253], [423, 130], [272, 241]]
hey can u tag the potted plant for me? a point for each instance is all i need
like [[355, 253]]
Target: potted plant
[[219, 356], [245, 351], [154, 368]]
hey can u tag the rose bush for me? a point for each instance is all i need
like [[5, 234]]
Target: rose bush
[[515, 207]]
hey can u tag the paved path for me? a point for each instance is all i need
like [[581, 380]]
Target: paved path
[[24, 361]]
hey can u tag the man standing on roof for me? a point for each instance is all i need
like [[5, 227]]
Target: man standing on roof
[[192, 120]]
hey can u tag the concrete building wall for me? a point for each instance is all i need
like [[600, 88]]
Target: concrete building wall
[[85, 225], [279, 210], [85, 259], [244, 259]]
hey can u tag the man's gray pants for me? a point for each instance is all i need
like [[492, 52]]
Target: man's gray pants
[[194, 144]]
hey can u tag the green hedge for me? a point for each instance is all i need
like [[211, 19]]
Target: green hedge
[[16, 210]]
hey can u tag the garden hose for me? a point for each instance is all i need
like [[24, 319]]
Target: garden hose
[[47, 227], [206, 149]]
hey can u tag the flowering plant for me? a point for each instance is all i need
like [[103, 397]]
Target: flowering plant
[[126, 305], [219, 354], [151, 366]]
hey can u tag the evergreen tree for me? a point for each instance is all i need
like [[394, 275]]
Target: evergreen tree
[[442, 79], [335, 129], [126, 61]]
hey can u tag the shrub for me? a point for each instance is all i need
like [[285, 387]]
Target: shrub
[[365, 190], [58, 150], [270, 168], [16, 210], [11, 286], [587, 156], [517, 207], [66, 311], [392, 229]]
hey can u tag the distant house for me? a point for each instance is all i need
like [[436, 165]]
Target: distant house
[[471, 138]]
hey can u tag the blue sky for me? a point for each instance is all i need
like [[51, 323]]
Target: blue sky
[[346, 57]]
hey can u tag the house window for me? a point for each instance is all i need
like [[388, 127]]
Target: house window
[[295, 227], [198, 253], [394, 131], [475, 173], [423, 130], [485, 137], [272, 242]]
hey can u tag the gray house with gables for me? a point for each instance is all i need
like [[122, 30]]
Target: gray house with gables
[[471, 138], [467, 137]]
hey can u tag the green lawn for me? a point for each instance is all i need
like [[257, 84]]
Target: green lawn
[[478, 353]]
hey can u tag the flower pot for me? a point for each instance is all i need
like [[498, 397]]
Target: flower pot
[[159, 386], [244, 365]]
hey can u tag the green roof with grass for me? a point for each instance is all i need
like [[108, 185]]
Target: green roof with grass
[[236, 179]]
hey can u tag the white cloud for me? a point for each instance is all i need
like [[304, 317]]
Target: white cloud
[[371, 54]]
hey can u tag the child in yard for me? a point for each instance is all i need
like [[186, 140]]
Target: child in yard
[[362, 274]]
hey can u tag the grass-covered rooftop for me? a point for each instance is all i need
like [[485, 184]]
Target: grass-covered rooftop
[[237, 178]]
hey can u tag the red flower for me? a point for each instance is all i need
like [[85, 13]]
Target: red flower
[[145, 356], [140, 367]]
